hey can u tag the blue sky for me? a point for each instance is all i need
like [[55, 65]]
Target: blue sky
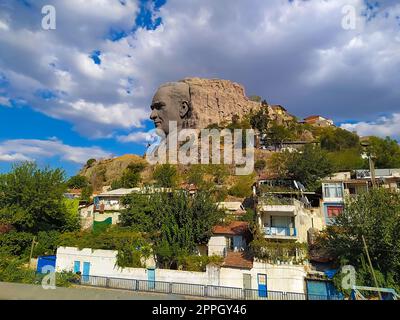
[[84, 89]]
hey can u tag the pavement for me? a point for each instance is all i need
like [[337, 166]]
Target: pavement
[[19, 291]]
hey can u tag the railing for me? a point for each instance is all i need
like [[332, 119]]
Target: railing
[[197, 290], [273, 201], [280, 231]]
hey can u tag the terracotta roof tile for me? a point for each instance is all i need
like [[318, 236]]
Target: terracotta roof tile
[[238, 260], [234, 228]]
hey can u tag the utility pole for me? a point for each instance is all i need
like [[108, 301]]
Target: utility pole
[[370, 264], [32, 246], [372, 170], [365, 145]]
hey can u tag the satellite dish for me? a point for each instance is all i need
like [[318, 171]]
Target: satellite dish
[[301, 186]]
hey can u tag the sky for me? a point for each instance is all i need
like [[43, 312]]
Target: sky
[[83, 89]]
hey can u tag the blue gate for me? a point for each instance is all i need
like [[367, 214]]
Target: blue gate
[[86, 271], [151, 277], [44, 261], [262, 284]]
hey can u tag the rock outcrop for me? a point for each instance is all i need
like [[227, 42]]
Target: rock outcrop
[[216, 101], [103, 172]]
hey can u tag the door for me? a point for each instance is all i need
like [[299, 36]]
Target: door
[[280, 226], [86, 271], [151, 277], [237, 243], [247, 285], [262, 285], [77, 266]]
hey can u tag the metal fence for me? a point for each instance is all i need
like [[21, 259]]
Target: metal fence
[[197, 290]]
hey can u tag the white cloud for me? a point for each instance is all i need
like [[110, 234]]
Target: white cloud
[[4, 25], [383, 127], [32, 149], [4, 102], [137, 137], [295, 54], [14, 157]]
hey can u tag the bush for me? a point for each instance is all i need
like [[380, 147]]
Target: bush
[[166, 176], [243, 187], [16, 244], [272, 252], [197, 263], [131, 245], [90, 162], [260, 165], [77, 182]]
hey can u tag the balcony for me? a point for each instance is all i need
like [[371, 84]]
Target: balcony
[[280, 233], [275, 204]]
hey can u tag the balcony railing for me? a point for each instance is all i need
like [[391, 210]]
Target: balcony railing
[[280, 231], [276, 201]]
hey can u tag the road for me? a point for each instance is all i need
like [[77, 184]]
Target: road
[[19, 291]]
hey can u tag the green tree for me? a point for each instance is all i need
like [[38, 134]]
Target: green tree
[[90, 162], [260, 120], [130, 244], [374, 215], [277, 134], [243, 186], [337, 139], [196, 175], [385, 151], [308, 166], [175, 221], [347, 159], [87, 193], [32, 199], [77, 182], [166, 176], [219, 172], [260, 165], [130, 177]]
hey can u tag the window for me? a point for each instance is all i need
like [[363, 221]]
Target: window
[[334, 211], [333, 190]]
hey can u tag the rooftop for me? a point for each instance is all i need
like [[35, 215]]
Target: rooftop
[[234, 228], [238, 260], [119, 192]]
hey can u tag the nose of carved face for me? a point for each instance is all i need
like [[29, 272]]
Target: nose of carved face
[[156, 119]]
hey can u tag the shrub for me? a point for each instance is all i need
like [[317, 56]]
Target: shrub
[[272, 252], [197, 263]]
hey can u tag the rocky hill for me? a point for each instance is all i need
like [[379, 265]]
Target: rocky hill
[[214, 101], [103, 172]]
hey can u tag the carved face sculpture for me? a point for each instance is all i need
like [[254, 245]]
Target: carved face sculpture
[[171, 103]]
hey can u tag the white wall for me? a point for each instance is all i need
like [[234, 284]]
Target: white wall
[[101, 261], [216, 245], [103, 216], [287, 278]]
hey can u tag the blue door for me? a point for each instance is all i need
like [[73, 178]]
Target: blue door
[[237, 243], [86, 271], [262, 285], [151, 277], [77, 266]]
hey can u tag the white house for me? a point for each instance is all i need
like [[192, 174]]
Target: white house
[[287, 219], [228, 238]]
